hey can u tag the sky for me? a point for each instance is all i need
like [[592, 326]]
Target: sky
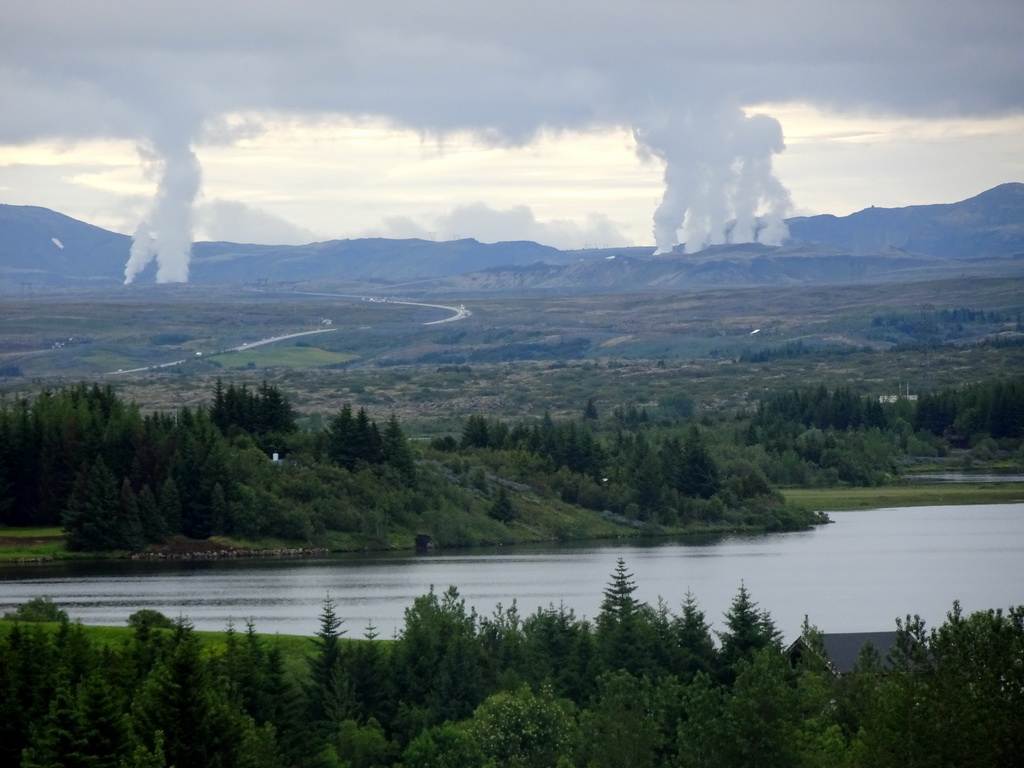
[[577, 124]]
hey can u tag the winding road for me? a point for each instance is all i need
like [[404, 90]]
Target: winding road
[[460, 313]]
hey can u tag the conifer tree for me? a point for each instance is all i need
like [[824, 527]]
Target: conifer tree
[[696, 648], [6, 494], [180, 698], [760, 713], [220, 514], [170, 507], [700, 477], [475, 433], [620, 624], [367, 439], [341, 439], [128, 522], [106, 738], [748, 630], [502, 509], [328, 698], [91, 515], [559, 648], [395, 449], [151, 522], [58, 738]]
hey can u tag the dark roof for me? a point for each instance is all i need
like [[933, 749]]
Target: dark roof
[[843, 648]]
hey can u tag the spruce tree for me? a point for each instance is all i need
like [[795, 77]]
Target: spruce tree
[[170, 507], [621, 624], [128, 522], [748, 631], [395, 449], [327, 695], [181, 699], [696, 649], [92, 512], [220, 514], [502, 509], [154, 528], [105, 734], [58, 739], [475, 433], [700, 477], [341, 439]]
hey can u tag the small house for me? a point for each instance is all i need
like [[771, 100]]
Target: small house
[[843, 649]]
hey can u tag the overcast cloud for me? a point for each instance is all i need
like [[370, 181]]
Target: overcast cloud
[[679, 75], [494, 226]]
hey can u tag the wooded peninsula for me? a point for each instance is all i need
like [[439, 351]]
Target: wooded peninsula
[[241, 471]]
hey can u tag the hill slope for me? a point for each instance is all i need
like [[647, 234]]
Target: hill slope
[[981, 235], [988, 225], [38, 245]]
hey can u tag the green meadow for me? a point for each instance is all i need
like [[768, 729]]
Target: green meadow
[[909, 495], [281, 356]]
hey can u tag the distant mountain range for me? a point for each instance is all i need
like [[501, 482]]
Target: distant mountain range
[[983, 235]]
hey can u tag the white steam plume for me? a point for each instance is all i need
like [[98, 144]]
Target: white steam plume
[[719, 184], [166, 234]]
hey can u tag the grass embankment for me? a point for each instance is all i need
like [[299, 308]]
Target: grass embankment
[[31, 544], [837, 499], [295, 649]]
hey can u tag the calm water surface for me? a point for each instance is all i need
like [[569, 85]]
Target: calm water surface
[[857, 574]]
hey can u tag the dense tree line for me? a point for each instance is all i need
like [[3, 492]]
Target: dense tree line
[[647, 472], [796, 349], [993, 409], [263, 414], [641, 685], [838, 409], [115, 478], [819, 436]]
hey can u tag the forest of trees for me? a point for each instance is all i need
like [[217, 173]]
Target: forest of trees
[[116, 479], [639, 686]]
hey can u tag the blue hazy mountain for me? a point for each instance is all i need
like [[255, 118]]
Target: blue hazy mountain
[[978, 236]]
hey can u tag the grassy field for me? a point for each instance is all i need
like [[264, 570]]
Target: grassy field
[[911, 495], [275, 356], [27, 544], [295, 649]]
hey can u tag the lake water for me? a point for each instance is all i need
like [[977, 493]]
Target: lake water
[[858, 574]]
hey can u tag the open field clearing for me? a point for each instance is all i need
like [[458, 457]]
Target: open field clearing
[[516, 358], [836, 499]]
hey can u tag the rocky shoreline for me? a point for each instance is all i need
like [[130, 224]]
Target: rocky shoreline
[[227, 554]]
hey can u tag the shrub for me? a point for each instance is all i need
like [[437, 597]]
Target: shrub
[[148, 617], [38, 609]]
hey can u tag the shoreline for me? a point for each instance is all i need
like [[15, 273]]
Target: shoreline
[[824, 500]]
